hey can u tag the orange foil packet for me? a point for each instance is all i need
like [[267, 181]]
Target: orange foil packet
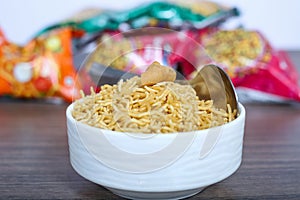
[[41, 69]]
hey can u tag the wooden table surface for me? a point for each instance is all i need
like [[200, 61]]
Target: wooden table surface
[[34, 162]]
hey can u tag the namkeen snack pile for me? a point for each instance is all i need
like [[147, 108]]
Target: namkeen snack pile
[[149, 106]]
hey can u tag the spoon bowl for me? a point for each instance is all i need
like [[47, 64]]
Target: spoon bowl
[[212, 82]]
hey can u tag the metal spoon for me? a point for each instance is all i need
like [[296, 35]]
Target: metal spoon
[[211, 82]]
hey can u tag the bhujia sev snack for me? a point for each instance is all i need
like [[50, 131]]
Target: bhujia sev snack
[[163, 107]]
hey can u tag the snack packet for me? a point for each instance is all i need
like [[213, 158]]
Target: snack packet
[[137, 49], [124, 54], [176, 15], [259, 72], [41, 69]]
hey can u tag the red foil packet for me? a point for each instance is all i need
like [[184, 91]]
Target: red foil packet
[[258, 71], [267, 75], [135, 50]]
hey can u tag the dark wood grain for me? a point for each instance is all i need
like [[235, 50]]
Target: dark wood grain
[[34, 161]]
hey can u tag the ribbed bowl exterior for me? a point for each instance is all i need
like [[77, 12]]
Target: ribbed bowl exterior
[[188, 172]]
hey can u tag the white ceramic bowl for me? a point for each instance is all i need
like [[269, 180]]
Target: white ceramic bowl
[[156, 166]]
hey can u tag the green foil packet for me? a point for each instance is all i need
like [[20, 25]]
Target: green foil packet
[[170, 14]]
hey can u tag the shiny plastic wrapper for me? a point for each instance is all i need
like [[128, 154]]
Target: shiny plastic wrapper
[[258, 71], [41, 69], [124, 54], [165, 14]]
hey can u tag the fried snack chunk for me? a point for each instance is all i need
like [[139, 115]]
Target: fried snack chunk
[[156, 73]]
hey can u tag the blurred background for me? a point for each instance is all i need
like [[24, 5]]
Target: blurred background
[[259, 59], [278, 20]]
